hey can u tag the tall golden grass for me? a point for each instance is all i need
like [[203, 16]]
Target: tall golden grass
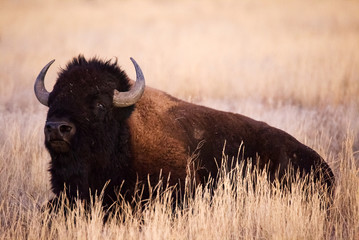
[[293, 64]]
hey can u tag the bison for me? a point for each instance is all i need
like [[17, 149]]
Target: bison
[[103, 128]]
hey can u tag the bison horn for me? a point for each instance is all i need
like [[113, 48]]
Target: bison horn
[[40, 91], [125, 99]]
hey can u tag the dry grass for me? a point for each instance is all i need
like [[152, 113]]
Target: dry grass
[[293, 64]]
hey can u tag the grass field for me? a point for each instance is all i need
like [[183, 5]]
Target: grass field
[[291, 63]]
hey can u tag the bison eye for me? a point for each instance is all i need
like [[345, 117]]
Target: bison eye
[[100, 106]]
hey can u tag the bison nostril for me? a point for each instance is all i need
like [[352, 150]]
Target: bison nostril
[[65, 128], [48, 127]]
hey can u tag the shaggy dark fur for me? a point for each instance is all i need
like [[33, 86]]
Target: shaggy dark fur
[[99, 150], [158, 134]]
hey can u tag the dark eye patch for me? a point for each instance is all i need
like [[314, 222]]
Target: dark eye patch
[[100, 105]]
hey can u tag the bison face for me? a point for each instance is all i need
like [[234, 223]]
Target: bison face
[[76, 122], [88, 103]]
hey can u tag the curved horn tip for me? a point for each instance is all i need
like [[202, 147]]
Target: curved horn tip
[[47, 66], [125, 99], [133, 60], [139, 73], [40, 91]]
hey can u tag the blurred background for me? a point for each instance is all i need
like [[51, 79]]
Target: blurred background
[[303, 52]]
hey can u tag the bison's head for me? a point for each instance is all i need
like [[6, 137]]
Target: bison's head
[[89, 102]]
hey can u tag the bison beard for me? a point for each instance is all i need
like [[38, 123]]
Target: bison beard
[[104, 128], [100, 158]]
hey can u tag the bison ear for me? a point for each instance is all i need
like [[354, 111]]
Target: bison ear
[[40, 91], [125, 99]]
